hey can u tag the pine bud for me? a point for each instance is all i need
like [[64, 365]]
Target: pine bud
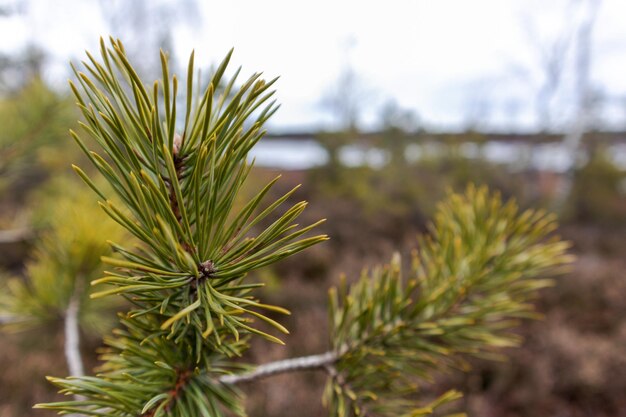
[[178, 141]]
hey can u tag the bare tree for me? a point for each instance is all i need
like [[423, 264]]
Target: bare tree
[[146, 25], [584, 97], [18, 69], [553, 62], [344, 101], [479, 108], [556, 58], [398, 124], [346, 98], [563, 62]]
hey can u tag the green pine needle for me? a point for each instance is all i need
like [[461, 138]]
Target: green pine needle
[[175, 177], [176, 188], [470, 282]]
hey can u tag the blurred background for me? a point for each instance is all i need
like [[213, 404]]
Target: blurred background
[[385, 106]]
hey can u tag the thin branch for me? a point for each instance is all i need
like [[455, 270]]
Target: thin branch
[[72, 342], [279, 367], [7, 319], [15, 235], [72, 339]]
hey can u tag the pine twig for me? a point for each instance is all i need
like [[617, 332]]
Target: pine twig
[[302, 363], [15, 235], [6, 319], [72, 342]]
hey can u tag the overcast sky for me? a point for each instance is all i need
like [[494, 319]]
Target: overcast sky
[[450, 61]]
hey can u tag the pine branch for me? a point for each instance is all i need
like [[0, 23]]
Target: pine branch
[[470, 283], [177, 194], [177, 189], [9, 319], [194, 309], [302, 363], [15, 235], [72, 339], [72, 342]]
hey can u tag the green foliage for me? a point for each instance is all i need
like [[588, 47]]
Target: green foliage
[[177, 188], [66, 257], [470, 281], [34, 123], [598, 193], [151, 376], [176, 178]]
